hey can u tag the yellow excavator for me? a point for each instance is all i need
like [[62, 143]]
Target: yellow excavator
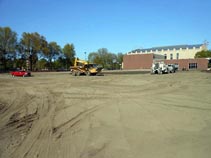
[[82, 67]]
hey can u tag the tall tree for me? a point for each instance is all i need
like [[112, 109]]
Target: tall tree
[[32, 43], [51, 51], [61, 63], [120, 60], [103, 57], [8, 42], [69, 53], [42, 64], [94, 57]]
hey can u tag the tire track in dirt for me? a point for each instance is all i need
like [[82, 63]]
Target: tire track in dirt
[[73, 106], [3, 108], [79, 146], [129, 151], [20, 101], [41, 129], [153, 116], [99, 144], [75, 120], [18, 120], [43, 136]]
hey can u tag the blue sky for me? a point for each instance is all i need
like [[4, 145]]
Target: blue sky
[[118, 25]]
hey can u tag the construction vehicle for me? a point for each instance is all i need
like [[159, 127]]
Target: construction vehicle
[[172, 68], [82, 67], [162, 68]]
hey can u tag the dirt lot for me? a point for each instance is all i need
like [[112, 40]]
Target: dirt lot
[[56, 115]]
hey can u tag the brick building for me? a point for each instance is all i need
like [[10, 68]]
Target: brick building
[[183, 55]]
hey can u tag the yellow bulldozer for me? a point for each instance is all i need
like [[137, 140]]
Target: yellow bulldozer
[[82, 67]]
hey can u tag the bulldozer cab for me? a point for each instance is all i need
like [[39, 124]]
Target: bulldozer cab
[[80, 62], [91, 65]]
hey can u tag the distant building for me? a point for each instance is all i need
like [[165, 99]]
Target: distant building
[[178, 54]]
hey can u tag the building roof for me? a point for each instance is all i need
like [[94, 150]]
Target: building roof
[[177, 47]]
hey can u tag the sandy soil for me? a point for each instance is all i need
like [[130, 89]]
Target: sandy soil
[[56, 115]]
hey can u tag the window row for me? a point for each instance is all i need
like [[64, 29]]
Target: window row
[[171, 56]]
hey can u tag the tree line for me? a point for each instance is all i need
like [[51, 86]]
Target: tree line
[[32, 51], [107, 59]]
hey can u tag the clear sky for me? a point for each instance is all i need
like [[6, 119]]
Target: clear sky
[[118, 25]]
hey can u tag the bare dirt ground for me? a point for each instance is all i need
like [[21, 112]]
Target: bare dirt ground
[[56, 115]]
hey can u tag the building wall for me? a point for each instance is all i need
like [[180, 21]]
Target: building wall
[[190, 64], [183, 53], [144, 61], [137, 61]]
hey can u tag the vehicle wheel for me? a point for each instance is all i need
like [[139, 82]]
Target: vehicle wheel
[[78, 73], [73, 73], [88, 73]]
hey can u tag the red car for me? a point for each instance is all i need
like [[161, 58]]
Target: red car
[[20, 73]]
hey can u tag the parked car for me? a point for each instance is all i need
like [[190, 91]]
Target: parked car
[[20, 73]]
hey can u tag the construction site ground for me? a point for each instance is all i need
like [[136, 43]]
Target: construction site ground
[[57, 115]]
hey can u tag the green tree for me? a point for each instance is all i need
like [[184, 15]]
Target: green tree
[[50, 51], [94, 57], [69, 53], [60, 64], [42, 64], [119, 60], [203, 54], [104, 57], [8, 42], [103, 54], [32, 45]]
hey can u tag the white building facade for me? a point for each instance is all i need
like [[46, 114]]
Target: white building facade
[[173, 52]]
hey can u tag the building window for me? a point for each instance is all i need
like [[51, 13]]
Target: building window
[[177, 55], [192, 65], [165, 56], [171, 56]]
